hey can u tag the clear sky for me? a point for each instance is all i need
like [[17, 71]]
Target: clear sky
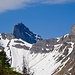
[[49, 18]]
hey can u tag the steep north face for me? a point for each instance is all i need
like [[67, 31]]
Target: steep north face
[[23, 32]]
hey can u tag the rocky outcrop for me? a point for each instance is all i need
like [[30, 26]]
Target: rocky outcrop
[[73, 30], [23, 32], [44, 46], [8, 36]]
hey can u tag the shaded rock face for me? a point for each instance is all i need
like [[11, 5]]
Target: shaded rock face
[[23, 32]]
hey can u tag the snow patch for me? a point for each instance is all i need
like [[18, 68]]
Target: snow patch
[[66, 35], [47, 49], [71, 49]]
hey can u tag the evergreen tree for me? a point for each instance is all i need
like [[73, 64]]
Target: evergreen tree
[[5, 66], [4, 61]]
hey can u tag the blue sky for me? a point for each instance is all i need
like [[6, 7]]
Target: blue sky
[[49, 18]]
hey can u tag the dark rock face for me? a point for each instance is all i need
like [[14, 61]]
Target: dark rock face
[[23, 32]]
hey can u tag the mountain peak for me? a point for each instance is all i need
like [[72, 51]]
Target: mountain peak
[[23, 32], [21, 25]]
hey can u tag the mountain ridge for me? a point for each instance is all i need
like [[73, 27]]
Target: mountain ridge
[[55, 56]]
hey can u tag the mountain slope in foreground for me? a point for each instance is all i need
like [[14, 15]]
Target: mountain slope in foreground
[[46, 57]]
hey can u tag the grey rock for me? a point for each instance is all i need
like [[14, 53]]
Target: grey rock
[[73, 30], [8, 36], [21, 47]]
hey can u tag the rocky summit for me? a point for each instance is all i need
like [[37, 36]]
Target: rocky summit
[[23, 32], [54, 56]]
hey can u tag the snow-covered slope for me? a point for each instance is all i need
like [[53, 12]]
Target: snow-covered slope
[[44, 62], [47, 63], [17, 51]]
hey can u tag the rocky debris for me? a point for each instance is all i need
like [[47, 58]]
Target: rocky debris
[[23, 32]]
